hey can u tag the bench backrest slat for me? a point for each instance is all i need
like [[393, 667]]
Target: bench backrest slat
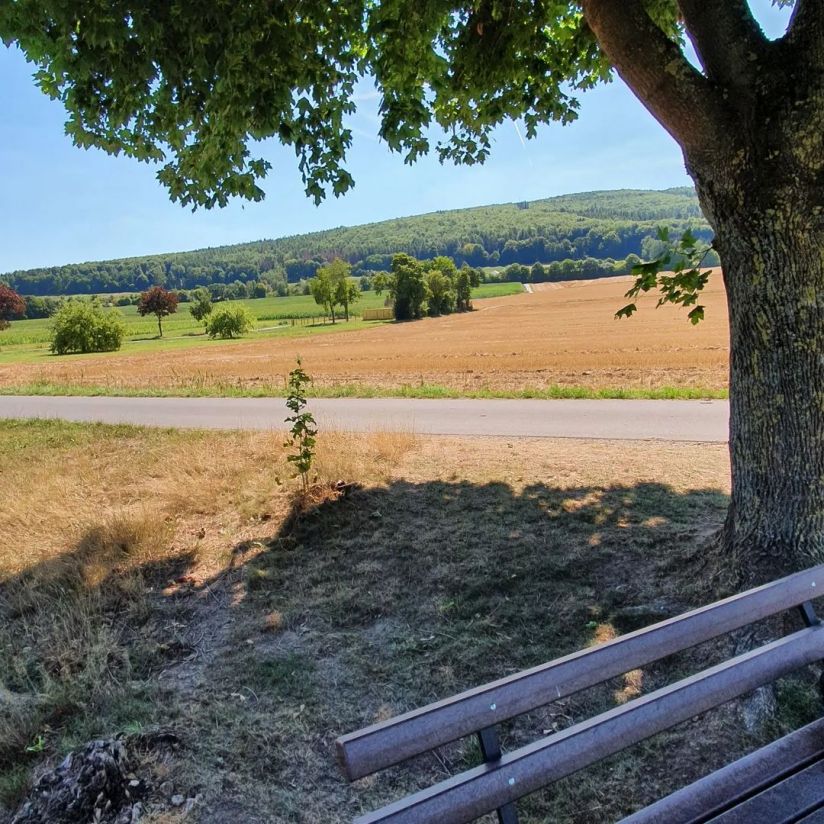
[[483, 789], [390, 742]]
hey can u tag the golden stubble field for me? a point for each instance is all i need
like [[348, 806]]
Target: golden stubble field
[[560, 334]]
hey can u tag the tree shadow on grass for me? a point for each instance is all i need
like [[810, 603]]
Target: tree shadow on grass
[[78, 633], [374, 601], [393, 597]]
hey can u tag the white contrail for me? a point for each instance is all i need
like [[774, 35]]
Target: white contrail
[[523, 142]]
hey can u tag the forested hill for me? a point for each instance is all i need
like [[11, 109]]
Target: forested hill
[[593, 225]]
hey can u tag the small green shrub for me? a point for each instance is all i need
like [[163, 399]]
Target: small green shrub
[[201, 306], [229, 322], [303, 434], [85, 326]]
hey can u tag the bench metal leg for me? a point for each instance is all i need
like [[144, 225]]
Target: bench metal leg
[[808, 614], [812, 620], [491, 751]]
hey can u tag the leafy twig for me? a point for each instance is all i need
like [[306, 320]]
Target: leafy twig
[[684, 258]]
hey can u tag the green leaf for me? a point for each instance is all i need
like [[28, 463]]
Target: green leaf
[[626, 311]]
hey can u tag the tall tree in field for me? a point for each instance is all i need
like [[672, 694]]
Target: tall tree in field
[[12, 306], [322, 289], [441, 293], [466, 279], [441, 275], [407, 287], [192, 84], [347, 292], [343, 288], [201, 306], [157, 301]]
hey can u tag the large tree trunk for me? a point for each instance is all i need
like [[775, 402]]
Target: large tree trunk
[[769, 235], [750, 121]]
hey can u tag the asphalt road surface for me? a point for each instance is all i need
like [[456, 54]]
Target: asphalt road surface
[[608, 419]]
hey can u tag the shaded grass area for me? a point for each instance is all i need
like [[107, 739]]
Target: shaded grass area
[[106, 527], [183, 585], [228, 389]]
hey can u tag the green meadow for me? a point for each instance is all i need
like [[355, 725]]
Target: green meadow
[[294, 315]]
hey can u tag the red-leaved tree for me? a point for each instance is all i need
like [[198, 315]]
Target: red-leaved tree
[[12, 306], [158, 301]]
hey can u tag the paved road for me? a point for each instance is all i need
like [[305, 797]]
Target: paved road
[[623, 420]]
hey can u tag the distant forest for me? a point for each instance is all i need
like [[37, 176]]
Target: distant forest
[[604, 230]]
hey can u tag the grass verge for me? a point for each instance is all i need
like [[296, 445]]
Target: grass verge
[[225, 389]]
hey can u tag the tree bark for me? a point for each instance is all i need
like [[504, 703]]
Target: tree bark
[[159, 328], [751, 126], [770, 238]]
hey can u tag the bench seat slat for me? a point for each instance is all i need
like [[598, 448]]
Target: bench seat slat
[[480, 790], [390, 742], [698, 802], [814, 818], [782, 803]]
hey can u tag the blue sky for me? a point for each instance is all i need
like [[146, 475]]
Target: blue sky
[[60, 204]]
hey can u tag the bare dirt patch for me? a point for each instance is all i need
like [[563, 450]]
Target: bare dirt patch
[[566, 336]]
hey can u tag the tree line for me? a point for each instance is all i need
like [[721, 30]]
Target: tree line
[[333, 296], [597, 225], [415, 288]]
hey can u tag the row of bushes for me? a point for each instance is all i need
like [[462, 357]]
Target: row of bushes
[[586, 268], [81, 326]]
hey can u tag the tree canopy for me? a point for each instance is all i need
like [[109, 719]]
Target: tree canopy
[[160, 302], [193, 85]]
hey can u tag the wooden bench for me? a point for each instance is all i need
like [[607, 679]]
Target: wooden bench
[[782, 782]]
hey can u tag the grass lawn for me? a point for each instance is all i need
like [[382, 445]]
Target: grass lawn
[[159, 579]]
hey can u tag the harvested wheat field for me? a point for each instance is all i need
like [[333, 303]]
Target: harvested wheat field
[[173, 587], [563, 335]]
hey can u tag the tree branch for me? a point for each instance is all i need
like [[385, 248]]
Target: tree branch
[[803, 46], [806, 14], [805, 33], [726, 37], [683, 101]]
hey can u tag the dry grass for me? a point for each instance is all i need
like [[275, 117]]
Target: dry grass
[[95, 520], [156, 577], [143, 494], [557, 336]]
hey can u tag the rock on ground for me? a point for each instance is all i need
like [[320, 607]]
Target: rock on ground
[[96, 784]]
